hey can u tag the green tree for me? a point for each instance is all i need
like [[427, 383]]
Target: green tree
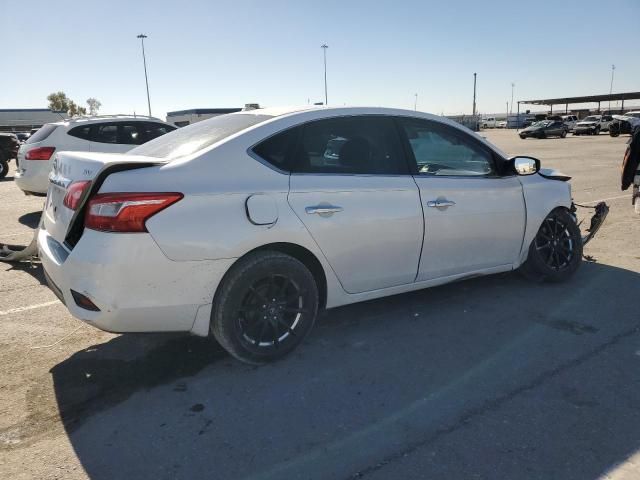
[[75, 109], [94, 105], [58, 102]]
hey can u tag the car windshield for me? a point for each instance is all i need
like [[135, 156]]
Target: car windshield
[[543, 123], [190, 139], [591, 119]]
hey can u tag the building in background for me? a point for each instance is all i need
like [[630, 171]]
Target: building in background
[[25, 119], [182, 118]]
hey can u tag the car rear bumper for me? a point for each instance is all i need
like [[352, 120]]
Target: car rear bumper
[[32, 176], [134, 287]]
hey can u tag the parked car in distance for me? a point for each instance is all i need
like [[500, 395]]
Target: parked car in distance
[[269, 230], [623, 124], [544, 129], [570, 121], [9, 145], [593, 125], [501, 124], [527, 122], [22, 136], [489, 122], [111, 134]]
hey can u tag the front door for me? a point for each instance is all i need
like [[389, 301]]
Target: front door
[[474, 218], [351, 187]]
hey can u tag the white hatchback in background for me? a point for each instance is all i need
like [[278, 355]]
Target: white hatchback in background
[[109, 134]]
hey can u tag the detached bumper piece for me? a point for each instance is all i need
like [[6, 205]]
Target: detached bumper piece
[[601, 210]]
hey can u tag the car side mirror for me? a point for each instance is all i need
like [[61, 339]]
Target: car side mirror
[[525, 165]]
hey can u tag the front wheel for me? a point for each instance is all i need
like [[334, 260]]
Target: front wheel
[[563, 134], [4, 168], [556, 252], [265, 306]]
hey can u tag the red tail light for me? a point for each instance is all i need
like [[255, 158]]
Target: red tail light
[[40, 153], [74, 194], [126, 212]]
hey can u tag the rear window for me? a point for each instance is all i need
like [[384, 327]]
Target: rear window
[[192, 138], [42, 133]]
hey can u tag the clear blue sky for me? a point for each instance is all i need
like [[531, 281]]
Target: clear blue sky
[[228, 53]]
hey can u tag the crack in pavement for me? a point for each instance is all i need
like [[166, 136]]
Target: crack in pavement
[[496, 403]]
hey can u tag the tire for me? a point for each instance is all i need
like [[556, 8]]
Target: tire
[[563, 134], [556, 252], [614, 130], [542, 135], [267, 284], [597, 131], [4, 168], [522, 137]]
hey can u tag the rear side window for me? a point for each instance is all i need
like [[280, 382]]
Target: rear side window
[[367, 145], [83, 132], [105, 133], [192, 138], [42, 133], [155, 130], [131, 134], [277, 150]]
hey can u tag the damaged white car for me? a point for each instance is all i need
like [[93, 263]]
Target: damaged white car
[[245, 225]]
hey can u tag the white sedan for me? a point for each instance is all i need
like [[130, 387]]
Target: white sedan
[[245, 225]]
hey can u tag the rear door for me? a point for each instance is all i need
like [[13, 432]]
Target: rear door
[[474, 218], [351, 187]]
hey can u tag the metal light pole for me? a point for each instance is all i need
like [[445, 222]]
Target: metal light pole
[[613, 69], [142, 36], [415, 102], [512, 87], [324, 47], [474, 94]]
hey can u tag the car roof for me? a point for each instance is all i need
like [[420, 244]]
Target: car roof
[[88, 120]]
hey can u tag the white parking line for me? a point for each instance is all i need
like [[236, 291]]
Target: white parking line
[[28, 307]]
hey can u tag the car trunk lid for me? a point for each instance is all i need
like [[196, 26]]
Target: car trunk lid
[[65, 224]]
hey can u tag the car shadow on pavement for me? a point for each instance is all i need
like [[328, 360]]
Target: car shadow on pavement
[[31, 220], [32, 268], [6, 179], [490, 378]]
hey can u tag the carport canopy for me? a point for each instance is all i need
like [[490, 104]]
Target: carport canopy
[[566, 101]]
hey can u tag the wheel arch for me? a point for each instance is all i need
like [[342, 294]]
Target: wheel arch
[[300, 253]]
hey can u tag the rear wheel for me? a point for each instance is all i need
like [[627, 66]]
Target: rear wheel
[[597, 131], [563, 134], [556, 251], [265, 306]]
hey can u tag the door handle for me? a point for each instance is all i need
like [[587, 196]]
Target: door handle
[[440, 203], [325, 210]]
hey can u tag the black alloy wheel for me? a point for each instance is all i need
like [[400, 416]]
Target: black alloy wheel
[[555, 244], [265, 306], [270, 312], [556, 251]]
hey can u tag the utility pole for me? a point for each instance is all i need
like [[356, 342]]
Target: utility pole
[[613, 69], [415, 103], [142, 36], [324, 47]]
